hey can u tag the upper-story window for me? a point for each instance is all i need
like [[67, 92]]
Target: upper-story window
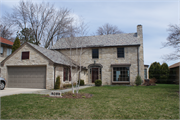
[[25, 55], [1, 51], [9, 51], [95, 53], [120, 52]]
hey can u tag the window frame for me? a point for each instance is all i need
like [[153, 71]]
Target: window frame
[[120, 52], [68, 74], [94, 53], [25, 58], [145, 73], [112, 73]]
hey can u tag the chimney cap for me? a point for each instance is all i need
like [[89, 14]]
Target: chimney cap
[[139, 25]]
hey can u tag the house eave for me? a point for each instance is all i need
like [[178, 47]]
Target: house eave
[[100, 46]]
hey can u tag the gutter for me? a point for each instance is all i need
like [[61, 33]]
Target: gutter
[[98, 46], [6, 44]]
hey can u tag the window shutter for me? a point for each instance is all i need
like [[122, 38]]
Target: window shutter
[[69, 74], [64, 74]]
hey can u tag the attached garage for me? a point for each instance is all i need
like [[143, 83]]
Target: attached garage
[[27, 77], [31, 66]]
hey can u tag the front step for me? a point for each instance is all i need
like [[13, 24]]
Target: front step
[[90, 84]]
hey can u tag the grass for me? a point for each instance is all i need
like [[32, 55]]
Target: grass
[[108, 102]]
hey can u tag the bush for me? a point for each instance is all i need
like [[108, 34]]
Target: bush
[[138, 80], [148, 82], [58, 82], [81, 82], [98, 83]]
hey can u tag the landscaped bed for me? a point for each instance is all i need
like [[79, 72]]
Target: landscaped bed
[[108, 102]]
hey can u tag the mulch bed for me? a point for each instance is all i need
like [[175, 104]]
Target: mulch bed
[[72, 96]]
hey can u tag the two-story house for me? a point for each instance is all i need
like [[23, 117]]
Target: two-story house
[[115, 59]]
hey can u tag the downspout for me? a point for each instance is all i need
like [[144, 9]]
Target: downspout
[[138, 59]]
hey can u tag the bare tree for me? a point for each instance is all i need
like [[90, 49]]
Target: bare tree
[[46, 22], [80, 42], [173, 40], [6, 32], [75, 43], [108, 29]]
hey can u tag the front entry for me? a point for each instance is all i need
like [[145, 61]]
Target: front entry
[[94, 74]]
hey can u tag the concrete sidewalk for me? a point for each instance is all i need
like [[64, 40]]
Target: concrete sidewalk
[[12, 91], [62, 91]]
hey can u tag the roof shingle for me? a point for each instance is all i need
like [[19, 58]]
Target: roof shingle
[[100, 41], [53, 55], [5, 41]]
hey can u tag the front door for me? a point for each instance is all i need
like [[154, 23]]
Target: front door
[[94, 74]]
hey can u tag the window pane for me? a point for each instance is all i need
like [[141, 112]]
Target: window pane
[[95, 53], [121, 74], [1, 49], [66, 71], [7, 51], [120, 52], [145, 73], [25, 55], [10, 51]]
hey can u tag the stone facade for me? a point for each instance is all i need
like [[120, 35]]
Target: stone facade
[[108, 56], [36, 59]]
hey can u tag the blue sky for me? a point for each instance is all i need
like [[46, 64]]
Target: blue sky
[[153, 15]]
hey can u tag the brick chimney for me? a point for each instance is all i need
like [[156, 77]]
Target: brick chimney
[[139, 31]]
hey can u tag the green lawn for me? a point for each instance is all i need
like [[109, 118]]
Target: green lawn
[[108, 102]]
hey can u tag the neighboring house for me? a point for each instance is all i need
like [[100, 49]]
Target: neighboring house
[[115, 59], [174, 72], [6, 48]]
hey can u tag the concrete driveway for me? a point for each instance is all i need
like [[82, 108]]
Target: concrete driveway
[[11, 91]]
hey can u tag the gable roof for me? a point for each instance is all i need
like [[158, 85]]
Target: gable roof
[[123, 39], [5, 41], [175, 65], [52, 55]]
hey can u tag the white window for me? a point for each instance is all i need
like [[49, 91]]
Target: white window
[[1, 50], [9, 51]]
